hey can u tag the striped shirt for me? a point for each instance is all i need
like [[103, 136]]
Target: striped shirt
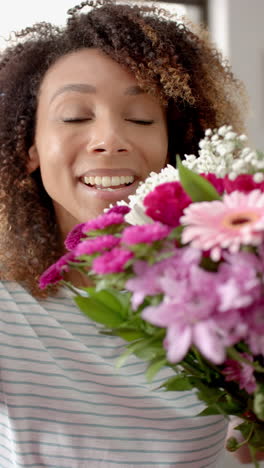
[[64, 404]]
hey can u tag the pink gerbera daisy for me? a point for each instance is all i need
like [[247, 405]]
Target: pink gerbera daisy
[[236, 220]]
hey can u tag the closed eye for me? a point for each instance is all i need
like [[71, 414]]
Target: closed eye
[[141, 122], [78, 120], [75, 120]]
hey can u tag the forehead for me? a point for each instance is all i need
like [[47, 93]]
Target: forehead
[[89, 66]]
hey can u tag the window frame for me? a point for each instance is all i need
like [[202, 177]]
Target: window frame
[[203, 4]]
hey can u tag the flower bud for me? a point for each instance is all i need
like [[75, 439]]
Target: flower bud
[[259, 402], [231, 444]]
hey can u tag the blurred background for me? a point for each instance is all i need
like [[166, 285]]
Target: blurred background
[[236, 27]]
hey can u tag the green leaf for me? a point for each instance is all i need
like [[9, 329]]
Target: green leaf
[[232, 407], [253, 432], [100, 310], [210, 410], [150, 351], [198, 188], [145, 348], [177, 383], [129, 350], [176, 233], [123, 297], [154, 367], [208, 396], [258, 404], [112, 298], [129, 334]]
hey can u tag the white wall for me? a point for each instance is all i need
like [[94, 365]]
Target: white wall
[[19, 14], [237, 28]]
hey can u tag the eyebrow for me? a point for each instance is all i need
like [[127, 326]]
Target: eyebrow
[[90, 89]]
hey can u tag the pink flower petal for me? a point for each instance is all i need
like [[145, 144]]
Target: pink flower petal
[[238, 219], [177, 342], [207, 341]]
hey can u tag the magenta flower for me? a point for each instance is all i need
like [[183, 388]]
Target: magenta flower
[[243, 183], [241, 373], [74, 237], [217, 182], [98, 244], [112, 262], [119, 209], [146, 234], [55, 272], [166, 203], [103, 221]]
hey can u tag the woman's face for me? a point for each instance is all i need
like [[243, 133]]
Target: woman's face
[[97, 135]]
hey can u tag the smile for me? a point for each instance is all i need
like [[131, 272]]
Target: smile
[[107, 182]]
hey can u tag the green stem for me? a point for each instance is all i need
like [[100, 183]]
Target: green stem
[[233, 353], [71, 287], [252, 450], [203, 364], [254, 460], [248, 438], [192, 370]]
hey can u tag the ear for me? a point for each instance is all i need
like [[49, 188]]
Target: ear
[[33, 161]]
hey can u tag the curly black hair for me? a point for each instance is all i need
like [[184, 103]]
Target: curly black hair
[[168, 59]]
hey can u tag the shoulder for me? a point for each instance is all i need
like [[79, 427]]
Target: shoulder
[[7, 288], [11, 293]]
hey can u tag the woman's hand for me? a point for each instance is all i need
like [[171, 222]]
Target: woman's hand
[[243, 453]]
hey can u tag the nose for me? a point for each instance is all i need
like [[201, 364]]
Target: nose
[[104, 147], [107, 138]]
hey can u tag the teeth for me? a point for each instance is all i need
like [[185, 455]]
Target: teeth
[[107, 181]]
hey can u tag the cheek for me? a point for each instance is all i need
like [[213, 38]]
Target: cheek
[[53, 162], [158, 150], [54, 153]]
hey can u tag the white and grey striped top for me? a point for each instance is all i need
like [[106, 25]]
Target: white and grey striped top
[[63, 403]]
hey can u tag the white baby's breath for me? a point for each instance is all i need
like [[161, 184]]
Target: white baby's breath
[[222, 152], [258, 177]]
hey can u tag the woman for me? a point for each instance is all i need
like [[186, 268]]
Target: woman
[[87, 112]]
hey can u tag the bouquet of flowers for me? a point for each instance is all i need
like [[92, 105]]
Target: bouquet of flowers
[[178, 273]]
